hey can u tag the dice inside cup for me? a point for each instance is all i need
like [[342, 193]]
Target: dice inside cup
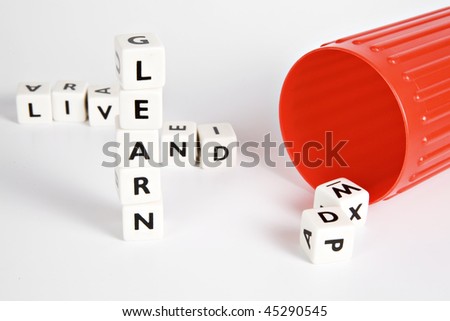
[[328, 229]]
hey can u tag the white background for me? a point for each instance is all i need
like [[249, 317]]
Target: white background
[[230, 234]]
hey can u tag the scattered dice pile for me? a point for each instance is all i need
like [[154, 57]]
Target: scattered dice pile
[[328, 230]]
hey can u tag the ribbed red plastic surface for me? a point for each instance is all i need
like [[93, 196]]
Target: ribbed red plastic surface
[[387, 93]]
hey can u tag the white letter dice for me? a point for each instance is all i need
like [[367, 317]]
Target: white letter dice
[[142, 222], [218, 145], [69, 101], [103, 105], [179, 143], [138, 148], [140, 61], [34, 103], [141, 109], [327, 235], [138, 185], [341, 192]]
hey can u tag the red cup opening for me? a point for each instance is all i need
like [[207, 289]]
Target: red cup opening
[[334, 91]]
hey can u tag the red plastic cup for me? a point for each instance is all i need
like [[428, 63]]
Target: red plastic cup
[[381, 99]]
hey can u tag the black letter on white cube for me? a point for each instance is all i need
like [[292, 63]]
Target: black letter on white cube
[[141, 182], [307, 235], [138, 109], [138, 218], [330, 227], [350, 197], [336, 245]]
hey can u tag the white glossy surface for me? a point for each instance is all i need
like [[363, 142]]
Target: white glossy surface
[[229, 235]]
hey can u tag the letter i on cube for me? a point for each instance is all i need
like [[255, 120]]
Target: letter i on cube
[[103, 105]]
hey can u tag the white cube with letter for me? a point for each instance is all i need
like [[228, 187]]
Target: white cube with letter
[[179, 144], [143, 222], [326, 235], [218, 145], [103, 105], [350, 197], [140, 61], [69, 101], [34, 103], [141, 109]]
